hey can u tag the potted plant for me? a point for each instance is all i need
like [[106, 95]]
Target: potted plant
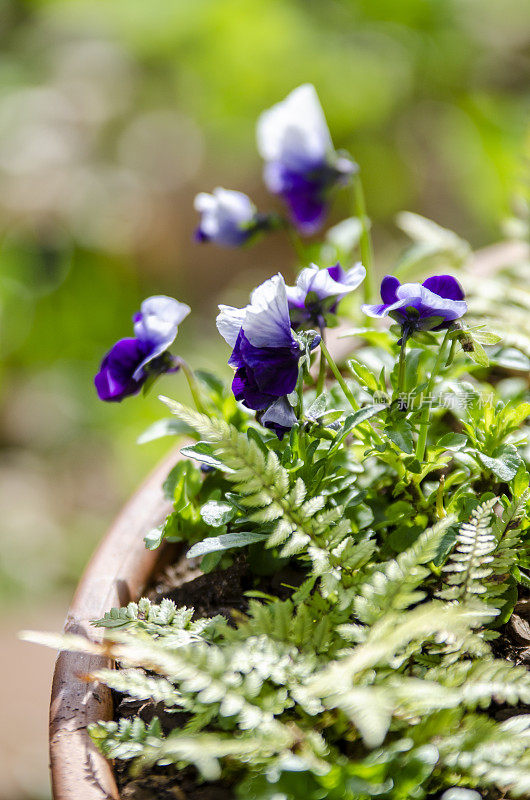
[[337, 620]]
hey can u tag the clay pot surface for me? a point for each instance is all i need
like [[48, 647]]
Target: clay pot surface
[[117, 573]]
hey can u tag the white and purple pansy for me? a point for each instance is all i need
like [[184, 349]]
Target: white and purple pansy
[[129, 363], [265, 352], [228, 218], [431, 305], [318, 291], [301, 164]]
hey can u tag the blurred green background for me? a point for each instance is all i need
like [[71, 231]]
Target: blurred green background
[[113, 114]]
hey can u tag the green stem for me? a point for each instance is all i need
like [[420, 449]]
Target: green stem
[[194, 386], [297, 244], [401, 369], [340, 380], [300, 393], [321, 368], [425, 412], [367, 253], [365, 428]]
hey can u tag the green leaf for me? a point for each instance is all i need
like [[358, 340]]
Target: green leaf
[[517, 414], [345, 235], [364, 375], [485, 337], [153, 539], [168, 426], [511, 358], [202, 451], [183, 482], [478, 354], [504, 463], [318, 407], [216, 513], [521, 480], [226, 541], [401, 435], [452, 441], [355, 419]]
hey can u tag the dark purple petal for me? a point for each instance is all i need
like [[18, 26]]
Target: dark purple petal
[[308, 210], [275, 369], [114, 381], [389, 286], [445, 286], [246, 390], [336, 272]]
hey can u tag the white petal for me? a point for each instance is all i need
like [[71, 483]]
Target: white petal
[[355, 276], [158, 325], [294, 130], [430, 299], [229, 322], [236, 205], [160, 319], [267, 322], [204, 202]]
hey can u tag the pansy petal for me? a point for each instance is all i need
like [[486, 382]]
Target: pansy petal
[[294, 129], [308, 209], [279, 417], [156, 326], [228, 217], [389, 287], [445, 286], [115, 381], [267, 322], [431, 304], [354, 276], [275, 369], [229, 322], [245, 390], [380, 310]]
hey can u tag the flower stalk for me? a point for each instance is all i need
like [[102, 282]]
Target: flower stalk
[[367, 256], [425, 412], [340, 380]]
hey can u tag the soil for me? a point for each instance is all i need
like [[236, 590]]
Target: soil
[[223, 592]]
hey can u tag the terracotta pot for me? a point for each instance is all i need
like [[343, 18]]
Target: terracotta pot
[[117, 573]]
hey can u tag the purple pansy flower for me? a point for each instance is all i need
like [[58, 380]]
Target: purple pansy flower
[[301, 163], [317, 292], [431, 305], [265, 350], [228, 218], [131, 361]]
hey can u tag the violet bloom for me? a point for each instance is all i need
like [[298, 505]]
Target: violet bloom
[[318, 291], [131, 361], [301, 163], [265, 350], [228, 218], [431, 305]]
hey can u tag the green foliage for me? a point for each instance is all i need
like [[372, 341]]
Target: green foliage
[[398, 530]]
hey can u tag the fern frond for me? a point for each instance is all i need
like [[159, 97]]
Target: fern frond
[[470, 563], [491, 754], [263, 484], [126, 739], [393, 585], [137, 684]]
